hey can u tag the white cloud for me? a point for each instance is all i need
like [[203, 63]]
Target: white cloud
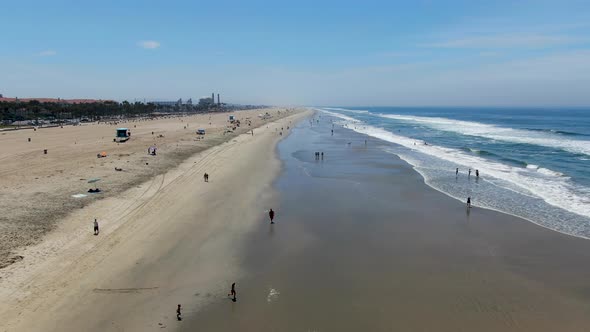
[[509, 41], [47, 53], [148, 44]]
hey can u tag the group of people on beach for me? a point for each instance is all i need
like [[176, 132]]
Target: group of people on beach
[[468, 175], [318, 154], [468, 172], [232, 293]]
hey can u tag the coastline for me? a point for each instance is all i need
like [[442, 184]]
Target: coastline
[[362, 243], [527, 181], [157, 240]]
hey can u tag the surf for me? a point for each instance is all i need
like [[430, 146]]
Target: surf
[[546, 138], [564, 199]]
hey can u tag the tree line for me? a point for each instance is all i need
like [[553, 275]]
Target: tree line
[[35, 110]]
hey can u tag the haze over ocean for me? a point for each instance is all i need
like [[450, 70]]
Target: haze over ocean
[[533, 163]]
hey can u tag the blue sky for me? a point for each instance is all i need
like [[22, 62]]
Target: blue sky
[[488, 53]]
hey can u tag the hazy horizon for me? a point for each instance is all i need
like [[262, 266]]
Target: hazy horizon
[[420, 54]]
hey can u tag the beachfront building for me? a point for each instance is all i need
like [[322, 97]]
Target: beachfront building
[[168, 103]]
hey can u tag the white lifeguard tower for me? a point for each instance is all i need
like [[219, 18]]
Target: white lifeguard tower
[[123, 135]]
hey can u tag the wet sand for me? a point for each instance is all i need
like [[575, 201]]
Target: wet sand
[[362, 244]]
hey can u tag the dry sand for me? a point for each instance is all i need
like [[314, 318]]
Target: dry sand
[[36, 189], [166, 237]]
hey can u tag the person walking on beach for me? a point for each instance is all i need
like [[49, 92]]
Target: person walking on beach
[[96, 227], [457, 171], [322, 156], [206, 177], [469, 202], [178, 313], [271, 215], [233, 292]]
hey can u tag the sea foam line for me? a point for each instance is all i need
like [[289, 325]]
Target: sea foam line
[[543, 183], [470, 128]]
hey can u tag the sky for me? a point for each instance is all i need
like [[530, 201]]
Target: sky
[[345, 53]]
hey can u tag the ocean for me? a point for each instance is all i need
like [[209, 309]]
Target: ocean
[[533, 163]]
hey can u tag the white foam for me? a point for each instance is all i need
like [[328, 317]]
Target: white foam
[[531, 166], [342, 116], [549, 172], [550, 186], [346, 110], [523, 136]]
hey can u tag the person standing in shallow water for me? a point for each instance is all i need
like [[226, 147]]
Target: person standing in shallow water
[[476, 173], [233, 292], [457, 171], [271, 215], [469, 202], [469, 172]]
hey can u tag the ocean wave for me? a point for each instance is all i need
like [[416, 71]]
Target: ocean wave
[[521, 136], [514, 161], [549, 172], [552, 187], [345, 110], [561, 132], [342, 116], [480, 152]]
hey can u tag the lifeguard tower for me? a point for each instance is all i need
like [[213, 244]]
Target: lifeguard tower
[[123, 135]]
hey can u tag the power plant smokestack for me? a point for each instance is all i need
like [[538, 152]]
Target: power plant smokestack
[[218, 102]]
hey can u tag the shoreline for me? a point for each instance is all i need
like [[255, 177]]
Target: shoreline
[[77, 269], [490, 195], [491, 208], [424, 178]]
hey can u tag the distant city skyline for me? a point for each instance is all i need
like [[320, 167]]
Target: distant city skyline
[[371, 53]]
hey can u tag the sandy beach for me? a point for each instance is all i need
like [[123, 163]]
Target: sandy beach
[[36, 189], [156, 215]]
